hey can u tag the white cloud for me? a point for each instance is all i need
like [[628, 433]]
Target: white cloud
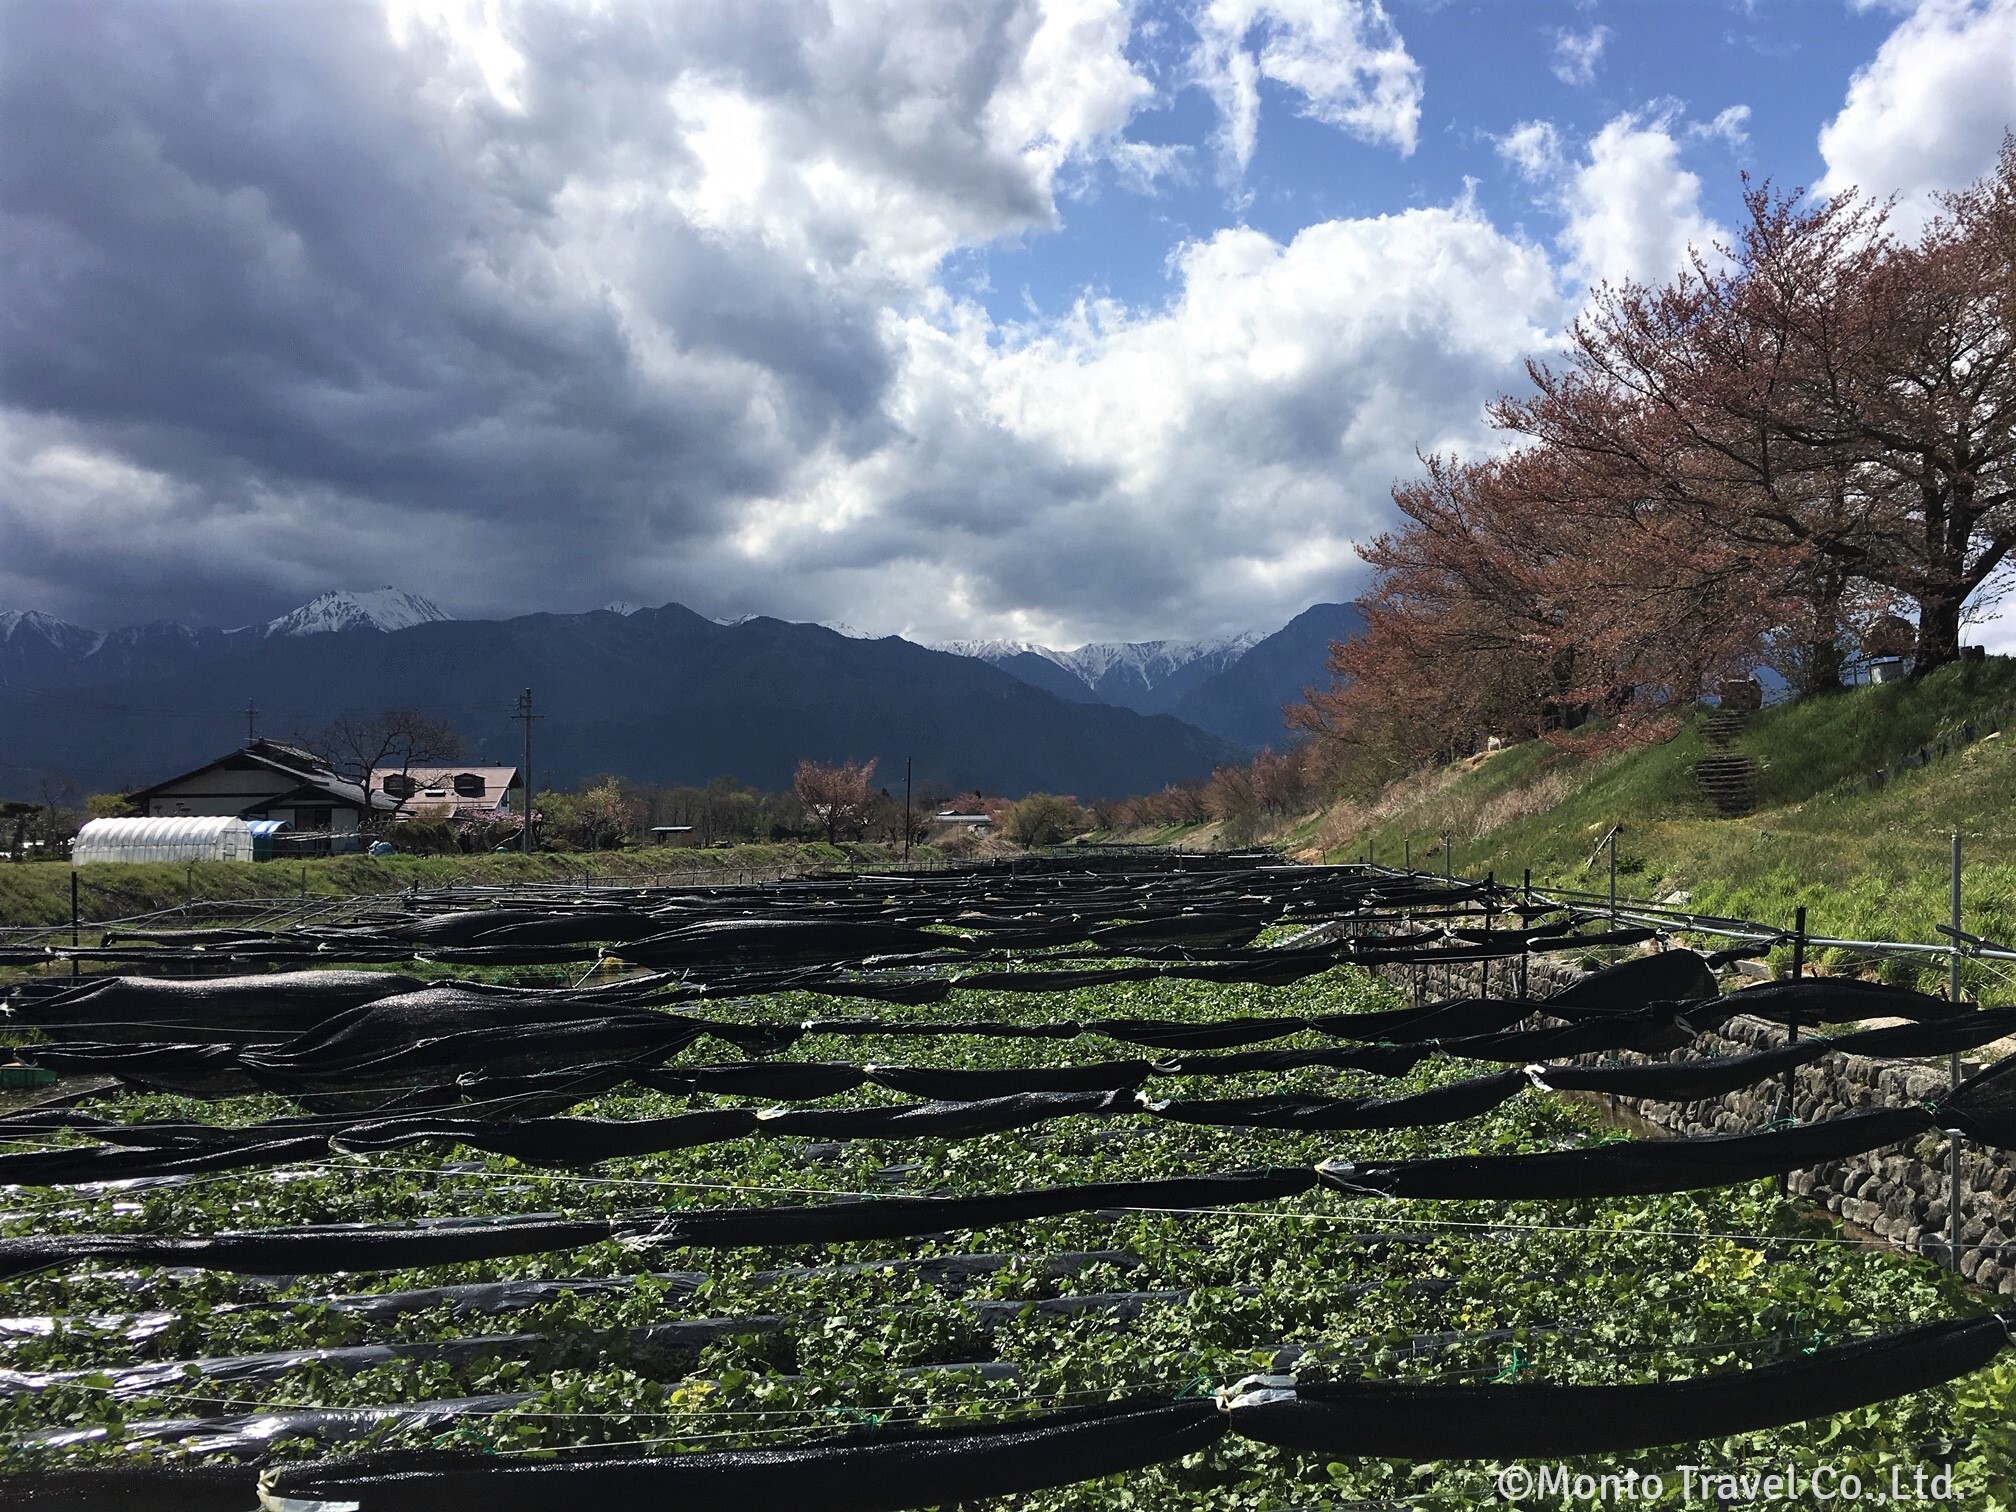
[[1533, 147], [554, 306], [1576, 54], [1344, 58], [1633, 210], [1929, 110], [1731, 127], [1251, 430]]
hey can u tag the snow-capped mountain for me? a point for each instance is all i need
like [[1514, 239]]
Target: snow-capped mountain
[[1236, 687], [1155, 662], [1149, 677], [21, 628], [1001, 650], [375, 609], [623, 607]]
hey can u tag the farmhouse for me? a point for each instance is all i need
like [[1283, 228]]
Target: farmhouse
[[437, 793], [266, 780]]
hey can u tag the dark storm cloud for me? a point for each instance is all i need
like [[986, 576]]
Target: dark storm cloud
[[643, 302], [248, 248]]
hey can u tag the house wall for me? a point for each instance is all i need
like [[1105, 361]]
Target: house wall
[[219, 793]]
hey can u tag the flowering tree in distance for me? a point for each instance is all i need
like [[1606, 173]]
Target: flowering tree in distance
[[836, 797]]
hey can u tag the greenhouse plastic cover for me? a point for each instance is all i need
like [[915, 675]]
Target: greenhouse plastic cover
[[201, 839]]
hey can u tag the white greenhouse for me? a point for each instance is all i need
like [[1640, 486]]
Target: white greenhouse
[[201, 839]]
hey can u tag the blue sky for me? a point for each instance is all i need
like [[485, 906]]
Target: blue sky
[[1485, 70], [1058, 320]]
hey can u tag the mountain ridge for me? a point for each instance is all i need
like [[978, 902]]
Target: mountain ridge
[[661, 695]]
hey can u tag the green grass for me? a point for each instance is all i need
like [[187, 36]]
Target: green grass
[[38, 893], [1865, 864]]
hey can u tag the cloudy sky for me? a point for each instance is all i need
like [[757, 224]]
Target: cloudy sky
[[1054, 319]]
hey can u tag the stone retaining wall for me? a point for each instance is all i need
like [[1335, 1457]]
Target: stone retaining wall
[[1899, 1193]]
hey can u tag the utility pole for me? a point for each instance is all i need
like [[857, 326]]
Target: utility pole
[[906, 811], [251, 721], [526, 715]]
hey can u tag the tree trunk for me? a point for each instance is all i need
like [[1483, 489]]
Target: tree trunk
[[1819, 664], [1938, 633]]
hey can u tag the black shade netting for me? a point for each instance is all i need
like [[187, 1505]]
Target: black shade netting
[[924, 1081], [282, 1003], [787, 1081], [509, 955], [1376, 1060], [570, 929], [1669, 976], [1630, 1168], [192, 1488], [1966, 1032], [539, 1095], [778, 941], [1657, 1028], [320, 1248], [1185, 929], [1458, 1017], [879, 1472], [1167, 1034], [1681, 1081], [907, 1217], [1441, 1105], [984, 1028], [456, 928], [1281, 968], [1983, 1107], [557, 1141], [422, 1035], [314, 1249], [1841, 1000], [1052, 981], [67, 1167], [193, 1070], [910, 994], [584, 1141], [1396, 1420]]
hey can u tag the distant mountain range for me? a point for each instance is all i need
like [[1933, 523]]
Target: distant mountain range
[[654, 694], [1235, 687]]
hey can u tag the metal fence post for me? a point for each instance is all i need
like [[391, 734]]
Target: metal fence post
[[1448, 881], [1525, 936], [1792, 1024], [1490, 912], [1953, 1076]]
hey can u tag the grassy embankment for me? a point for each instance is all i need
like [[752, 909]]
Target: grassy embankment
[[38, 893], [1866, 863]]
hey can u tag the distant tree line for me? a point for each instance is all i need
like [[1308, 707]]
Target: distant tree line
[[1801, 445]]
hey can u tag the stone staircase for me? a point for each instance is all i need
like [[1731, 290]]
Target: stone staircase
[[1727, 779]]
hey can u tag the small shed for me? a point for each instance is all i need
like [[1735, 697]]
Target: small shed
[[206, 838], [265, 836]]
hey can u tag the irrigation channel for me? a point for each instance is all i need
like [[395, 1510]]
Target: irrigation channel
[[914, 1189]]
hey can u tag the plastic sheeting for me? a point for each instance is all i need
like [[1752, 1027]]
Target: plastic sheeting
[[179, 839]]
